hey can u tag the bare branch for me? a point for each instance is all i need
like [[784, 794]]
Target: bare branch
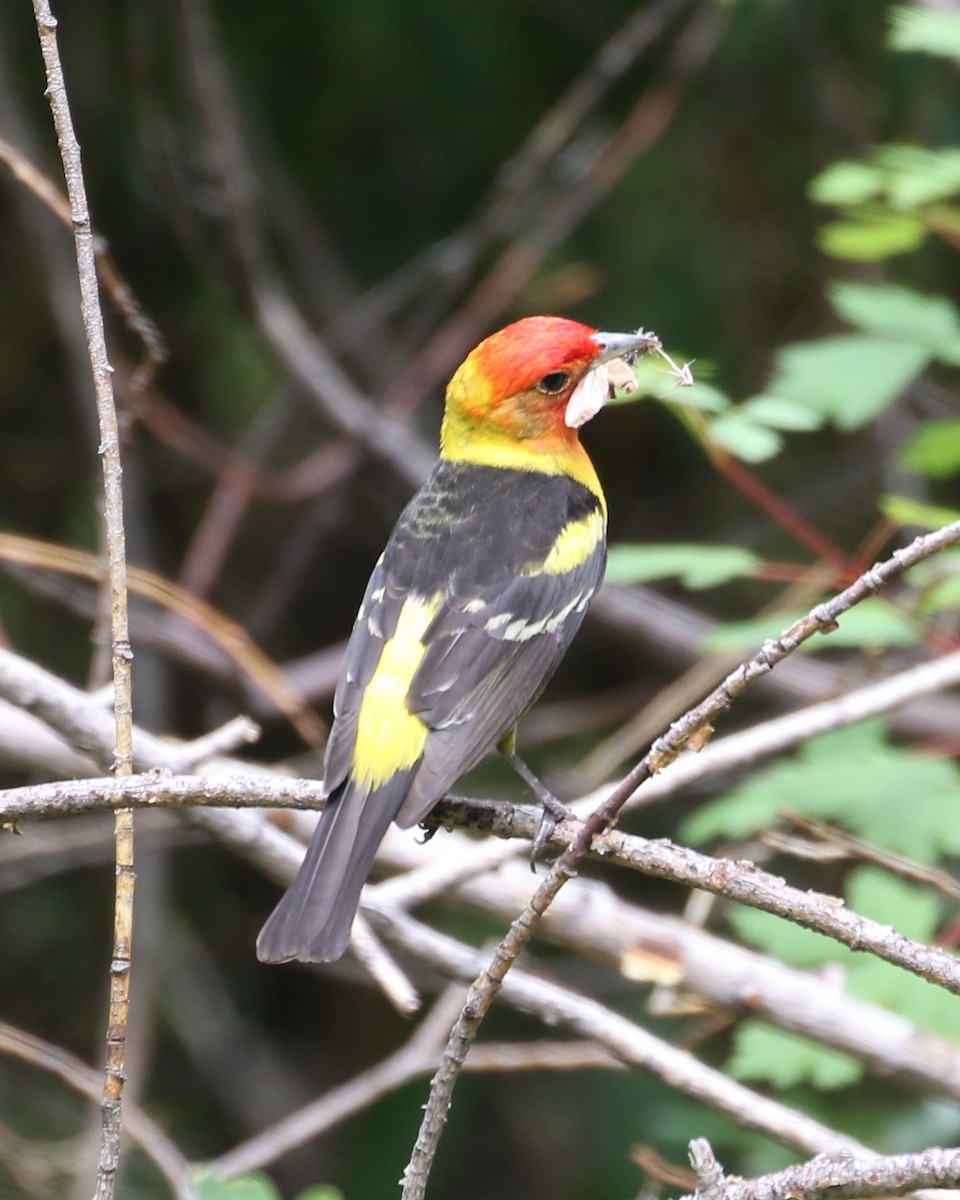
[[690, 730], [736, 751], [843, 1176], [228, 635], [304, 355], [88, 1082], [589, 919], [558, 1006], [68, 797], [120, 292], [121, 652], [598, 171], [418, 1057], [722, 973]]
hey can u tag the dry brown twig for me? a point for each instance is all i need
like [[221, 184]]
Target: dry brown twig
[[71, 709], [87, 724], [512, 202], [418, 1057], [565, 209], [121, 653], [304, 355], [820, 841]]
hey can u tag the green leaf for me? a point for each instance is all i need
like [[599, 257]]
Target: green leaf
[[744, 438], [748, 634], [321, 1191], [914, 911], [780, 938], [256, 1186], [779, 413], [910, 909], [848, 379], [904, 511], [873, 623], [844, 183], [697, 566], [925, 1005], [934, 449], [919, 29], [783, 1059], [897, 313], [918, 175], [655, 379], [943, 596], [851, 776], [702, 396], [871, 237]]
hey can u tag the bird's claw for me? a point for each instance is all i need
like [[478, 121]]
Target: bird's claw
[[553, 813]]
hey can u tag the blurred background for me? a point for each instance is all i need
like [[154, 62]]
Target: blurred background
[[318, 209]]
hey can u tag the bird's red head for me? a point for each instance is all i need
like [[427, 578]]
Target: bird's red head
[[516, 359], [518, 381], [519, 397]]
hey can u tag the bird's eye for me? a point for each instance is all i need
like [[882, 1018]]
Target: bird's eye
[[553, 383]]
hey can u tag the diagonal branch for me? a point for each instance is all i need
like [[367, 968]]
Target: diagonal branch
[[691, 730], [839, 1177]]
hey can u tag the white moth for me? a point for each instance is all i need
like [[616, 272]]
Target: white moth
[[588, 397]]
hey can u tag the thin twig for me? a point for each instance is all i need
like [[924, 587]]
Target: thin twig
[[120, 292], [383, 968], [305, 356], [673, 632], [418, 1057], [691, 730], [598, 172], [706, 968], [443, 266], [735, 752], [843, 1176], [820, 841], [561, 1007], [76, 1074], [229, 635], [121, 655]]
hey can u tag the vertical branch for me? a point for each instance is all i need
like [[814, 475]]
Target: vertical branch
[[111, 1116]]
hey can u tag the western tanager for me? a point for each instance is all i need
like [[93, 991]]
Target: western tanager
[[481, 587]]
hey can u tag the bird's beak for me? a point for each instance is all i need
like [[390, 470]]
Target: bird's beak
[[616, 345], [593, 390]]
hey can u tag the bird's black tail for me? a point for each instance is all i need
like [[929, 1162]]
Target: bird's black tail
[[312, 922]]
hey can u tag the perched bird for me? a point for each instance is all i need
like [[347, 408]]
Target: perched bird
[[471, 606]]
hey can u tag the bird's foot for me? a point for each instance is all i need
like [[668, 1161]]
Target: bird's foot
[[553, 813], [553, 810]]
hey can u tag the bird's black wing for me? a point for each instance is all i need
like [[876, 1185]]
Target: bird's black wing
[[472, 546]]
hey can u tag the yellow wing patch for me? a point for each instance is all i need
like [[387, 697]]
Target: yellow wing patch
[[389, 738], [574, 545]]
